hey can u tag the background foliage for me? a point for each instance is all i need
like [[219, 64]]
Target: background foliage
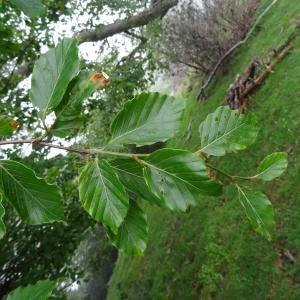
[[189, 256], [208, 277]]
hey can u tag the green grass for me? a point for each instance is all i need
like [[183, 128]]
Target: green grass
[[211, 252]]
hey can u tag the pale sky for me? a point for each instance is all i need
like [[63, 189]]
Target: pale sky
[[88, 51]]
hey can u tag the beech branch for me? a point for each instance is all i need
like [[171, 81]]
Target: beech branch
[[158, 10], [69, 149]]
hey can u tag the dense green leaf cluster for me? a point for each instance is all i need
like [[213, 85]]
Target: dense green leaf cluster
[[172, 178]]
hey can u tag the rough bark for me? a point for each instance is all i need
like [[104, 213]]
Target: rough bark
[[158, 10]]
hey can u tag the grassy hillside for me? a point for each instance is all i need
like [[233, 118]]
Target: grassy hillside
[[211, 252]]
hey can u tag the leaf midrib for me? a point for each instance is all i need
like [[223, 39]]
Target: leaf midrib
[[149, 120], [57, 79], [170, 174], [109, 204], [254, 210], [266, 170], [127, 172], [126, 133], [227, 133], [26, 190], [104, 187]]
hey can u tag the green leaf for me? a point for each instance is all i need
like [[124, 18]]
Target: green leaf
[[41, 290], [131, 175], [227, 130], [2, 225], [65, 128], [52, 74], [31, 8], [147, 119], [178, 177], [7, 126], [33, 198], [102, 194], [69, 110], [132, 235], [272, 166], [259, 211]]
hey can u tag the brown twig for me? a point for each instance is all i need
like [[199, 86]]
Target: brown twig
[[70, 149], [38, 142]]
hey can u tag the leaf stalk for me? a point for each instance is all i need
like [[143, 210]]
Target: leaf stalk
[[231, 178]]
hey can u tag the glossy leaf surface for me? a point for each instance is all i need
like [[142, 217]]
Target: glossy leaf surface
[[33, 198], [131, 175], [31, 8], [227, 130], [272, 166], [178, 177], [259, 211], [147, 119], [132, 235], [102, 194], [51, 75], [41, 290]]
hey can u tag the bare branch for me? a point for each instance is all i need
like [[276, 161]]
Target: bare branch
[[159, 9], [133, 34], [69, 149]]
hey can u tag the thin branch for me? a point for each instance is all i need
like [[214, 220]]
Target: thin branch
[[70, 149], [133, 34], [15, 142], [132, 53], [232, 49], [99, 151], [199, 68]]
